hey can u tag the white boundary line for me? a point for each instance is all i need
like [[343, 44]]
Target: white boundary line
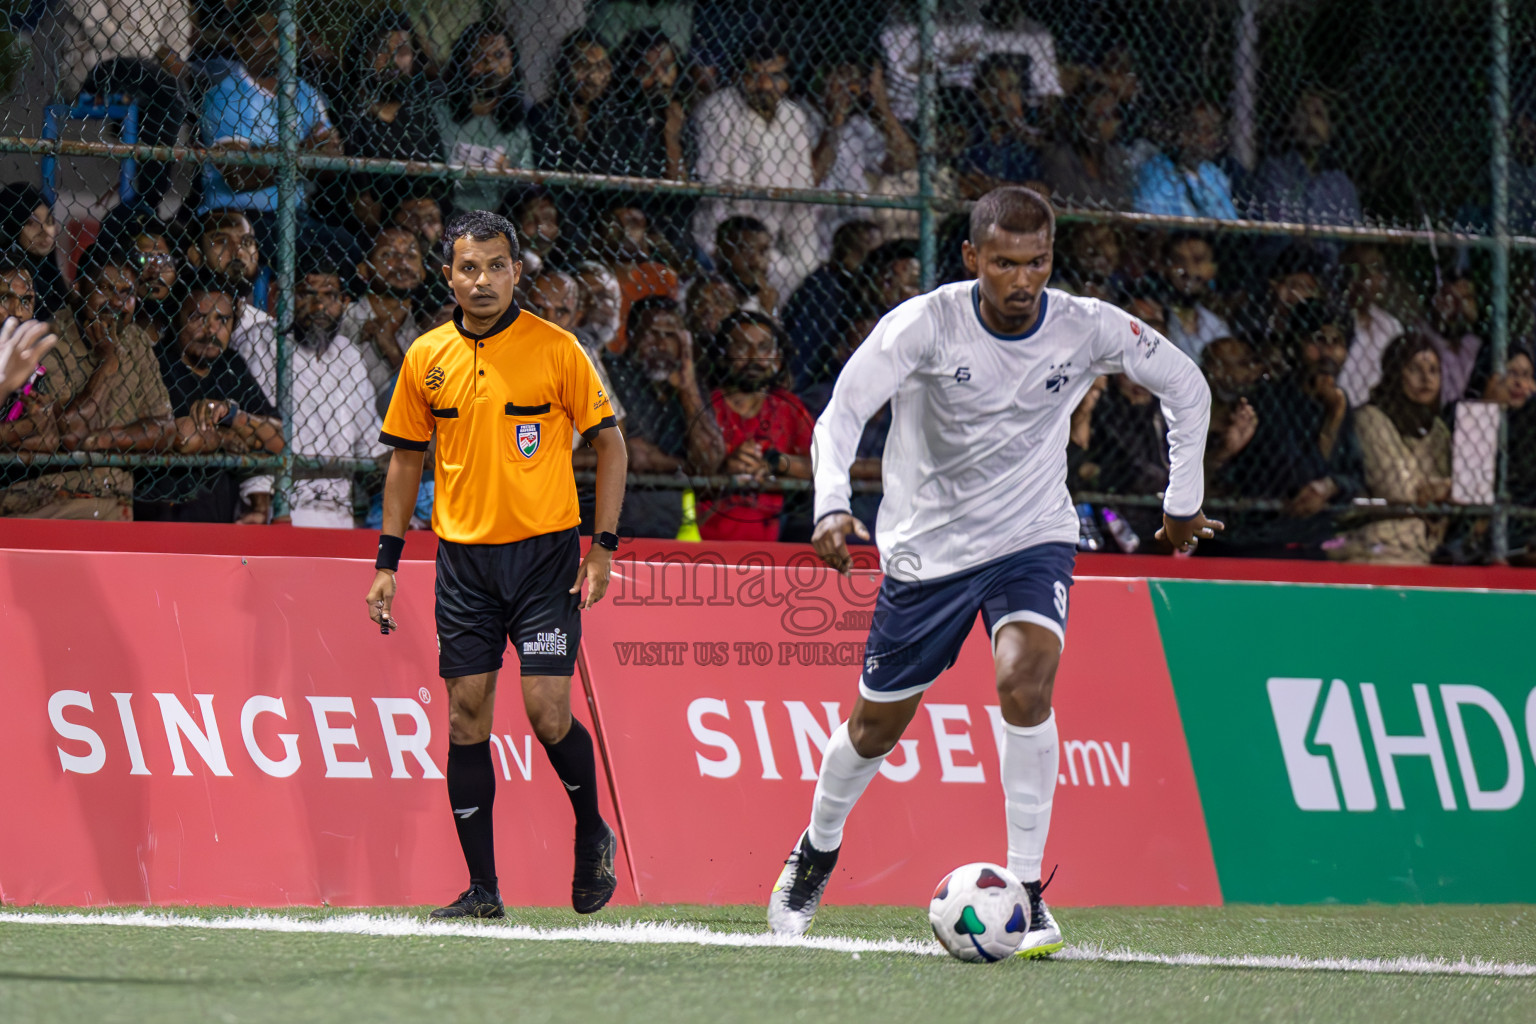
[[663, 933]]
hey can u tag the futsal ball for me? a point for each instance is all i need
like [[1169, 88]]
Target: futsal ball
[[980, 913]]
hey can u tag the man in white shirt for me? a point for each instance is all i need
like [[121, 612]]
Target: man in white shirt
[[382, 324], [982, 379], [334, 415], [1374, 327], [860, 140], [752, 134]]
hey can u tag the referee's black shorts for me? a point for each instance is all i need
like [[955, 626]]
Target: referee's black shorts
[[487, 593]]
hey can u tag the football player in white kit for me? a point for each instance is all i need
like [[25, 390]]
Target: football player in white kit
[[982, 377]]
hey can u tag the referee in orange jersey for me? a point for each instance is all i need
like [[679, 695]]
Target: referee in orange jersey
[[503, 391]]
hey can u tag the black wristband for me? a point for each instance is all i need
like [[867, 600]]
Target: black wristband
[[390, 550], [606, 541]]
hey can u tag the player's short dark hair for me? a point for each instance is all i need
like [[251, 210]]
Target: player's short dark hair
[[643, 307], [735, 227], [1012, 208], [478, 226]]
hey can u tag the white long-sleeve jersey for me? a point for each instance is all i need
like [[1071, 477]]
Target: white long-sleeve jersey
[[975, 466]]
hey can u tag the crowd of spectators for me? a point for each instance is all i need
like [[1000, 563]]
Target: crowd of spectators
[[720, 325]]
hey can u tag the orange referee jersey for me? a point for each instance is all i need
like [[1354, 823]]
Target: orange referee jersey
[[503, 404]]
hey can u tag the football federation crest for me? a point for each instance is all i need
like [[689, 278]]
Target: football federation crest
[[435, 378], [527, 439]]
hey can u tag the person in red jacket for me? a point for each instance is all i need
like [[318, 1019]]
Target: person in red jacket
[[767, 430]]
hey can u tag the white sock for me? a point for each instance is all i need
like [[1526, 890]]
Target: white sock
[[1030, 764], [843, 779]]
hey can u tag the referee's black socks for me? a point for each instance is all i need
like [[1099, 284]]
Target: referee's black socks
[[471, 791], [576, 765]]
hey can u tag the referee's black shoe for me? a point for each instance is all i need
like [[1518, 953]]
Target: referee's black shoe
[[594, 881], [476, 901]]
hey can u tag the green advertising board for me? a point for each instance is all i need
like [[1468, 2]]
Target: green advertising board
[[1359, 744]]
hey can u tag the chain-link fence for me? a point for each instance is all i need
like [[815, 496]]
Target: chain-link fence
[[232, 212]]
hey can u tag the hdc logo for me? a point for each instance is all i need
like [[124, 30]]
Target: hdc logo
[[1318, 779]]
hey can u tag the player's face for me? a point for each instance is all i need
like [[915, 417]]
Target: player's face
[[1011, 268], [483, 276]]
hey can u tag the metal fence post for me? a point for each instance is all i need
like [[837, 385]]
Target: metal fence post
[[1499, 89], [287, 232], [927, 98]]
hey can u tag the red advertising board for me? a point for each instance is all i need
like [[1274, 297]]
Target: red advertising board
[[716, 686], [222, 730]]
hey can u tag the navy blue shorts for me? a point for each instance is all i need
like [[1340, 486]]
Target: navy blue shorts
[[920, 625]]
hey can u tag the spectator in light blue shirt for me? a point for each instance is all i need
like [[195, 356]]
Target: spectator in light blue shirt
[[1189, 183], [240, 114]]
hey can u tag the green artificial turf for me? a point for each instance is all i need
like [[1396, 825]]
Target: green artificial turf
[[59, 972]]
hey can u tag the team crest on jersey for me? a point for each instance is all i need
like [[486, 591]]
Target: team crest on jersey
[[1058, 377], [963, 375], [527, 439], [435, 378]]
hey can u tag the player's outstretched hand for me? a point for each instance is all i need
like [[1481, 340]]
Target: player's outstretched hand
[[380, 597], [831, 540], [1186, 534], [594, 570]]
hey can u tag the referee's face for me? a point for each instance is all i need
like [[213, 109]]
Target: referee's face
[[483, 277]]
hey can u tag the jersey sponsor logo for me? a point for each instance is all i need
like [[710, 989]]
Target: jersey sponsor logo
[[435, 378], [1059, 376], [1060, 599], [527, 439], [963, 375], [1136, 327], [553, 642], [1147, 341], [602, 399]]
